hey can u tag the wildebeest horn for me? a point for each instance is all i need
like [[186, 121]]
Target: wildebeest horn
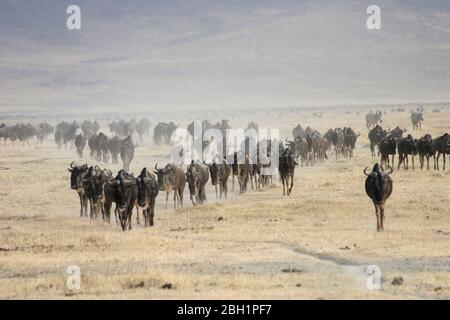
[[365, 169], [71, 164], [156, 166]]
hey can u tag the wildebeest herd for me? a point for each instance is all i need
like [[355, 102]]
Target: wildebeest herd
[[99, 189]]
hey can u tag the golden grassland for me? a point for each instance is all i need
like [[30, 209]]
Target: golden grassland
[[314, 244]]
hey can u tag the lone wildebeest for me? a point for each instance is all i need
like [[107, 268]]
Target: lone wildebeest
[[77, 174], [147, 191], [379, 189], [197, 177]]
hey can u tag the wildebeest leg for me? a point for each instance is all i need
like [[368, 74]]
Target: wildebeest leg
[[232, 187], [138, 221], [377, 213], [167, 198], [412, 159], [217, 190], [292, 184], [282, 182], [81, 204], [400, 160], [443, 156], [151, 213], [180, 197], [381, 217]]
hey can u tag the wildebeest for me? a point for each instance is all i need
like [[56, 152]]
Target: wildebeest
[[123, 128], [114, 148], [350, 138], [286, 168], [299, 147], [77, 174], [127, 152], [147, 191], [6, 133], [372, 119], [89, 129], [406, 146], [99, 147], [69, 134], [388, 145], [123, 190], [163, 132], [197, 177], [243, 172], [441, 146], [143, 128], [298, 132], [223, 173], [416, 119], [43, 130], [80, 143], [171, 177], [379, 188], [213, 168], [425, 150], [375, 136], [93, 183]]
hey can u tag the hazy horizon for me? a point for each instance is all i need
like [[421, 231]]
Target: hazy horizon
[[152, 55]]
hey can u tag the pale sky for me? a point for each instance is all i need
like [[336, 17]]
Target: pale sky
[[149, 55]]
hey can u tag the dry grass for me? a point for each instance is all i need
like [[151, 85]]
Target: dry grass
[[308, 245]]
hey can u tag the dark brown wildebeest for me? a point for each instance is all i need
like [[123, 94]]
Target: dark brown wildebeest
[[416, 119], [379, 188], [286, 168], [372, 119], [147, 191], [171, 177], [388, 145], [94, 182], [350, 138], [213, 168], [298, 132], [77, 174], [441, 146], [123, 190], [197, 176], [406, 146], [375, 136], [425, 150], [223, 173], [80, 143]]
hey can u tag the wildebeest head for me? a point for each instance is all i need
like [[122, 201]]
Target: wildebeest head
[[77, 174], [122, 188]]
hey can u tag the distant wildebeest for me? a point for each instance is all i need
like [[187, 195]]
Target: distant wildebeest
[[43, 130], [441, 146], [163, 132], [379, 188], [123, 128], [298, 132], [70, 134], [80, 143], [123, 190], [6, 133], [114, 148], [142, 128], [89, 129], [147, 191], [286, 168], [197, 176], [406, 146], [425, 150], [127, 152], [99, 147], [375, 136], [372, 119], [299, 147], [171, 178], [77, 174], [416, 119]]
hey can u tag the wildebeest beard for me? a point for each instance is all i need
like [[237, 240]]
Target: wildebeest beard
[[379, 182]]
